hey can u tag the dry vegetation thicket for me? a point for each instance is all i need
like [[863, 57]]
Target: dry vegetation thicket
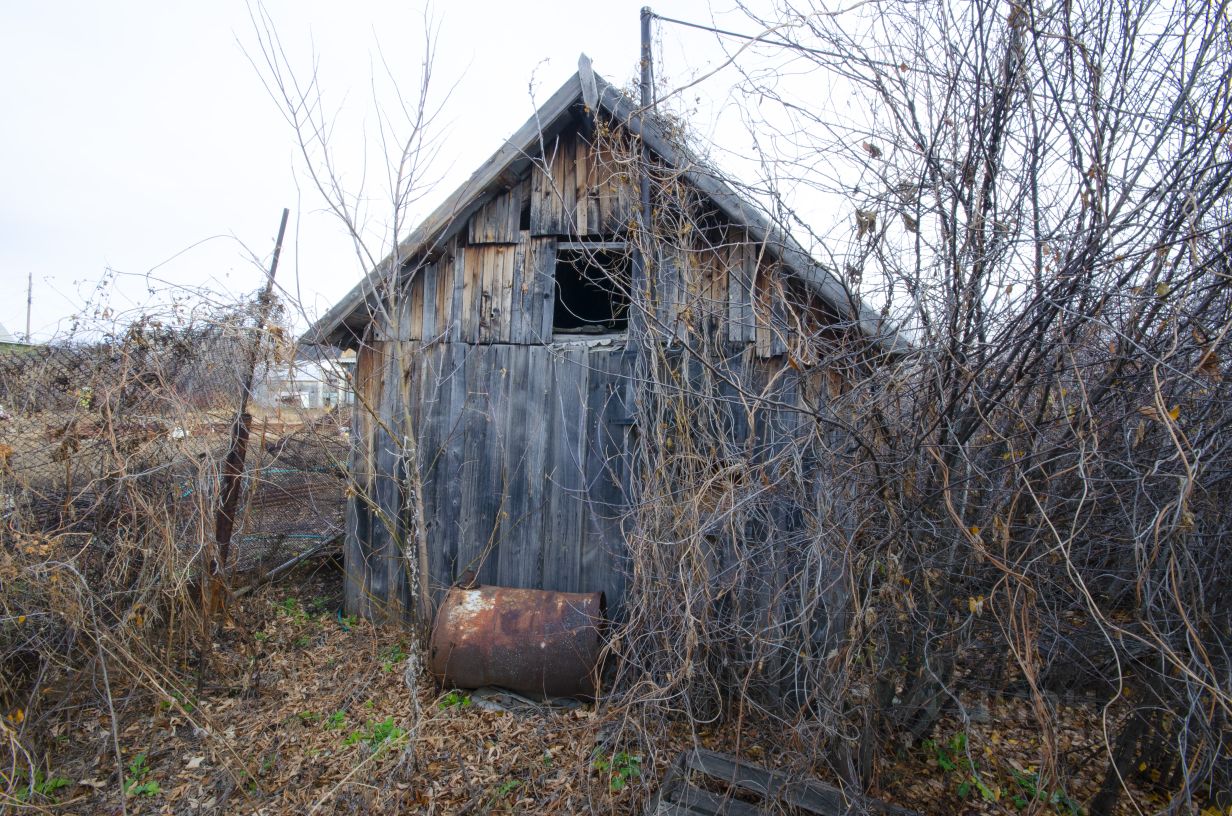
[[110, 449], [1028, 513], [1031, 504]]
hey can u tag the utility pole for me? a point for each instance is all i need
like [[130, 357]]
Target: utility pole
[[29, 300]]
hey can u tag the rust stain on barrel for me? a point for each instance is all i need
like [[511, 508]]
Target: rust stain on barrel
[[529, 640]]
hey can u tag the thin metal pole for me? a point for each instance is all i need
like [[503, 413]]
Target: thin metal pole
[[637, 349], [233, 465], [639, 283], [647, 88], [647, 59]]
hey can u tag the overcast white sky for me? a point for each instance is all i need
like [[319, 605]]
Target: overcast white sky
[[138, 137]]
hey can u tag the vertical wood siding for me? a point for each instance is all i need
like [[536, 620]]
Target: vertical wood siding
[[521, 451], [522, 442]]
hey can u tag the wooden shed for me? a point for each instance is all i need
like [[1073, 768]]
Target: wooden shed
[[495, 381]]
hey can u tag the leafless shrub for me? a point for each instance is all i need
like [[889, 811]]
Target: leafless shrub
[[110, 446], [1034, 501]]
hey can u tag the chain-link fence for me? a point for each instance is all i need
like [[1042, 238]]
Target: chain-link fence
[[111, 462], [86, 426]]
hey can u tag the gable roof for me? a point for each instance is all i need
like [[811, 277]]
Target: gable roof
[[346, 319]]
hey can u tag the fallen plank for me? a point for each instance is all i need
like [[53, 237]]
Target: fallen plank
[[678, 795]]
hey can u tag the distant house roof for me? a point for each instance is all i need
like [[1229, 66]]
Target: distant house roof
[[5, 337], [346, 320]]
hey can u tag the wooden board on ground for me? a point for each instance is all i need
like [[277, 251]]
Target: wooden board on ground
[[750, 790]]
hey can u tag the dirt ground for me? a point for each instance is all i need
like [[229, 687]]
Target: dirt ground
[[316, 721], [308, 711]]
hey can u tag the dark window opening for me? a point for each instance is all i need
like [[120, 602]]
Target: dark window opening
[[524, 215], [591, 295]]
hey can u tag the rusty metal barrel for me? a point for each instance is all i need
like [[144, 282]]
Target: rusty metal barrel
[[530, 641]]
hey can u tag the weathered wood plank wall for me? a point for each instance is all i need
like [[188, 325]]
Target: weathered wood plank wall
[[495, 284], [521, 453], [522, 437]]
